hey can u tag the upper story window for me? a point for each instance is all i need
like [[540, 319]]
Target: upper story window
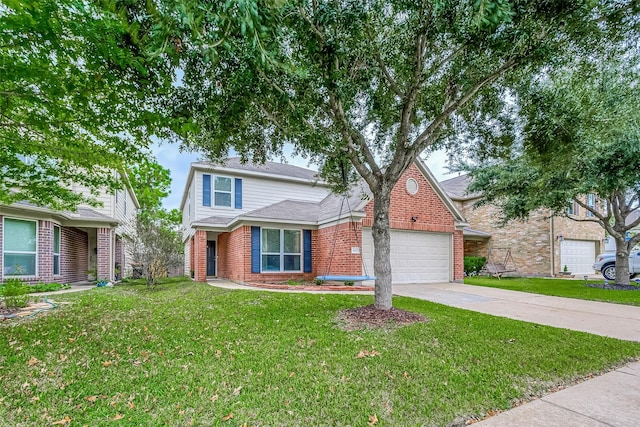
[[20, 244], [222, 191], [591, 202], [225, 192], [573, 208]]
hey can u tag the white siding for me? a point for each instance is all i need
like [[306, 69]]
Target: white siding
[[256, 193], [187, 258]]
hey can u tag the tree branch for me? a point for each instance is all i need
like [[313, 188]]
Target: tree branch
[[383, 67], [423, 140]]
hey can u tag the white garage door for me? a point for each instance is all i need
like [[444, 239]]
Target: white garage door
[[416, 257], [578, 256]]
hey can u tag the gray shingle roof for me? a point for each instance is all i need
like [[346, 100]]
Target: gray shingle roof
[[217, 220], [288, 210], [456, 187], [272, 168]]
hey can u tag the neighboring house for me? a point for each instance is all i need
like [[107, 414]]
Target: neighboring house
[[610, 244], [540, 246], [41, 244], [277, 222]]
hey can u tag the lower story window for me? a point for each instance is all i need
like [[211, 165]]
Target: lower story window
[[281, 250], [19, 247], [56, 250]]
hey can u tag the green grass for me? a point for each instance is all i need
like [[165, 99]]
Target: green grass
[[191, 354], [558, 287]]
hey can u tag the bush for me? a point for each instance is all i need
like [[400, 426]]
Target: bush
[[473, 265], [47, 287], [15, 293]]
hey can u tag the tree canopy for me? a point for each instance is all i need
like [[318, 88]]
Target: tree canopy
[[78, 98], [371, 84], [580, 137]]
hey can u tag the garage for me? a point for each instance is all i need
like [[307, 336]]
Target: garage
[[578, 256], [416, 257]]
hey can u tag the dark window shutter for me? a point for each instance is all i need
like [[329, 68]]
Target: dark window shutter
[[238, 203], [206, 190], [255, 249], [306, 245]]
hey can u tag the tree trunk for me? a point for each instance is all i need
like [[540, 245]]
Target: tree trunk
[[382, 247], [622, 261]]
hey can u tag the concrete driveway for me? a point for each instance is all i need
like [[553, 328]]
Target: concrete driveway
[[600, 318]]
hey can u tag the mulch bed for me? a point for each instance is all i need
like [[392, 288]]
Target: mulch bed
[[34, 308], [369, 317], [614, 286], [324, 287]]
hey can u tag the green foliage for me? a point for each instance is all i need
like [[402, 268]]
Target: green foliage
[[293, 282], [151, 183], [15, 293], [473, 265], [266, 356], [47, 287], [580, 135], [318, 282], [76, 99], [349, 283]]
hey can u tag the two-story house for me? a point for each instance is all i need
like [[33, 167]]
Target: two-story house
[[277, 222], [540, 246], [41, 244]]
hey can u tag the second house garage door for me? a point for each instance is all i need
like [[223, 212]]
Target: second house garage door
[[416, 257], [578, 256]]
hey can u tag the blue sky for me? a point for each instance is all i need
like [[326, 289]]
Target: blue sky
[[170, 157]]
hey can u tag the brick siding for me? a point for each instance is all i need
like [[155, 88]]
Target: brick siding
[[45, 251], [104, 253], [74, 255]]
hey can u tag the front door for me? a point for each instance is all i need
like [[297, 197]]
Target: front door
[[211, 257]]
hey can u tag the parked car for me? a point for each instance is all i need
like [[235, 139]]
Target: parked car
[[606, 264]]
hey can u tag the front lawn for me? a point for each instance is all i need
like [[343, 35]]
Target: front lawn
[[191, 354], [558, 287]]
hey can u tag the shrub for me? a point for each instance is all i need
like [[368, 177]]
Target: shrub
[[47, 287], [318, 282], [349, 283], [15, 293], [473, 265]]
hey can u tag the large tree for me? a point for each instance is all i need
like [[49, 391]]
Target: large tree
[[370, 84], [76, 98], [580, 144]]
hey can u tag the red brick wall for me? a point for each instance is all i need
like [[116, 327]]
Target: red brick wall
[[432, 213], [200, 255], [458, 255], [338, 239], [104, 253], [74, 255], [45, 251]]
